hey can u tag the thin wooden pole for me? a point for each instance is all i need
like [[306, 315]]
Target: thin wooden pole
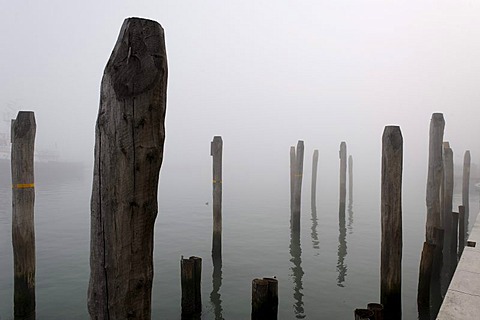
[[129, 140], [23, 226], [292, 178], [391, 211], [447, 215], [377, 309], [216, 153], [461, 230], [298, 186], [314, 180], [454, 243], [191, 277], [343, 176], [264, 299], [466, 190]]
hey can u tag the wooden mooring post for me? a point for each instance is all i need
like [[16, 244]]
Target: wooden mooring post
[[129, 140], [364, 314], [454, 243], [298, 177], [264, 299], [461, 230], [391, 212], [447, 221], [191, 278], [23, 228], [313, 197], [343, 176], [425, 272], [377, 309], [466, 189], [216, 149]]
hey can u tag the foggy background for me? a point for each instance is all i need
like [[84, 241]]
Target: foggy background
[[262, 74]]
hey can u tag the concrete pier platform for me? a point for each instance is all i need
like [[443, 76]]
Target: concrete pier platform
[[462, 300]]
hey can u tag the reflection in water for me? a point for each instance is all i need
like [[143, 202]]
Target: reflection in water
[[297, 274], [342, 248], [350, 216], [314, 234], [215, 296]]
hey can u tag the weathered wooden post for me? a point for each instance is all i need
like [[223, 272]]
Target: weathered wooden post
[[377, 309], [447, 215], [314, 180], [298, 186], [264, 299], [454, 243], [391, 211], [292, 178], [425, 276], [436, 297], [216, 153], [350, 179], [23, 227], [343, 176], [191, 277], [466, 190], [129, 140], [364, 314], [461, 230]]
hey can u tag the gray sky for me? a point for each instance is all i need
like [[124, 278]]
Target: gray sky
[[259, 73]]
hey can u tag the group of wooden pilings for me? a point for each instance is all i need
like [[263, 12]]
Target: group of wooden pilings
[[446, 230]]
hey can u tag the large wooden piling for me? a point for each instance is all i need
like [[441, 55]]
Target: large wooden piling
[[461, 230], [23, 228], [129, 140], [313, 197], [391, 211], [216, 153], [191, 278], [447, 221], [466, 189], [425, 276], [343, 176], [454, 243], [295, 220], [264, 299], [292, 177], [377, 309]]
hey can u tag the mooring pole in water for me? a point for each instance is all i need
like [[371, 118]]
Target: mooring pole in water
[[343, 176], [447, 221], [466, 189], [391, 211], [264, 299], [377, 309], [454, 243], [129, 138], [436, 297], [314, 180], [23, 228], [364, 314], [191, 278], [350, 178], [461, 230], [425, 272], [292, 178], [216, 149], [295, 219]]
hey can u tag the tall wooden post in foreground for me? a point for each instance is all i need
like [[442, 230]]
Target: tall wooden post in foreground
[[23, 229], [264, 299], [216, 152], [453, 244], [191, 277], [466, 189], [297, 199], [343, 176], [314, 179], [447, 216], [129, 141], [391, 211]]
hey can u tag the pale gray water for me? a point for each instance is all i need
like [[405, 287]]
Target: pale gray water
[[330, 274]]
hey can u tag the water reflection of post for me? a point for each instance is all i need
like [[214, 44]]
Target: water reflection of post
[[342, 247], [215, 297], [350, 194], [314, 233], [297, 273]]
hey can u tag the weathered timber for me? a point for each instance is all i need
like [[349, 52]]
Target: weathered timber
[[129, 140], [425, 276], [447, 197], [350, 179], [264, 299], [391, 212], [216, 153], [436, 296], [191, 277], [466, 189], [343, 176], [298, 186], [292, 178], [313, 197], [364, 314], [435, 176], [461, 230], [453, 244], [23, 228], [377, 309]]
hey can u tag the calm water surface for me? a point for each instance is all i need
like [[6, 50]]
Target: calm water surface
[[325, 273]]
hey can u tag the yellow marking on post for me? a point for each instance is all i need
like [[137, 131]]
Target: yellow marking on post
[[298, 175], [23, 186], [215, 181]]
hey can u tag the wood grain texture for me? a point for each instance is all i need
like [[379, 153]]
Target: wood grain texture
[[23, 228], [129, 140], [216, 153]]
